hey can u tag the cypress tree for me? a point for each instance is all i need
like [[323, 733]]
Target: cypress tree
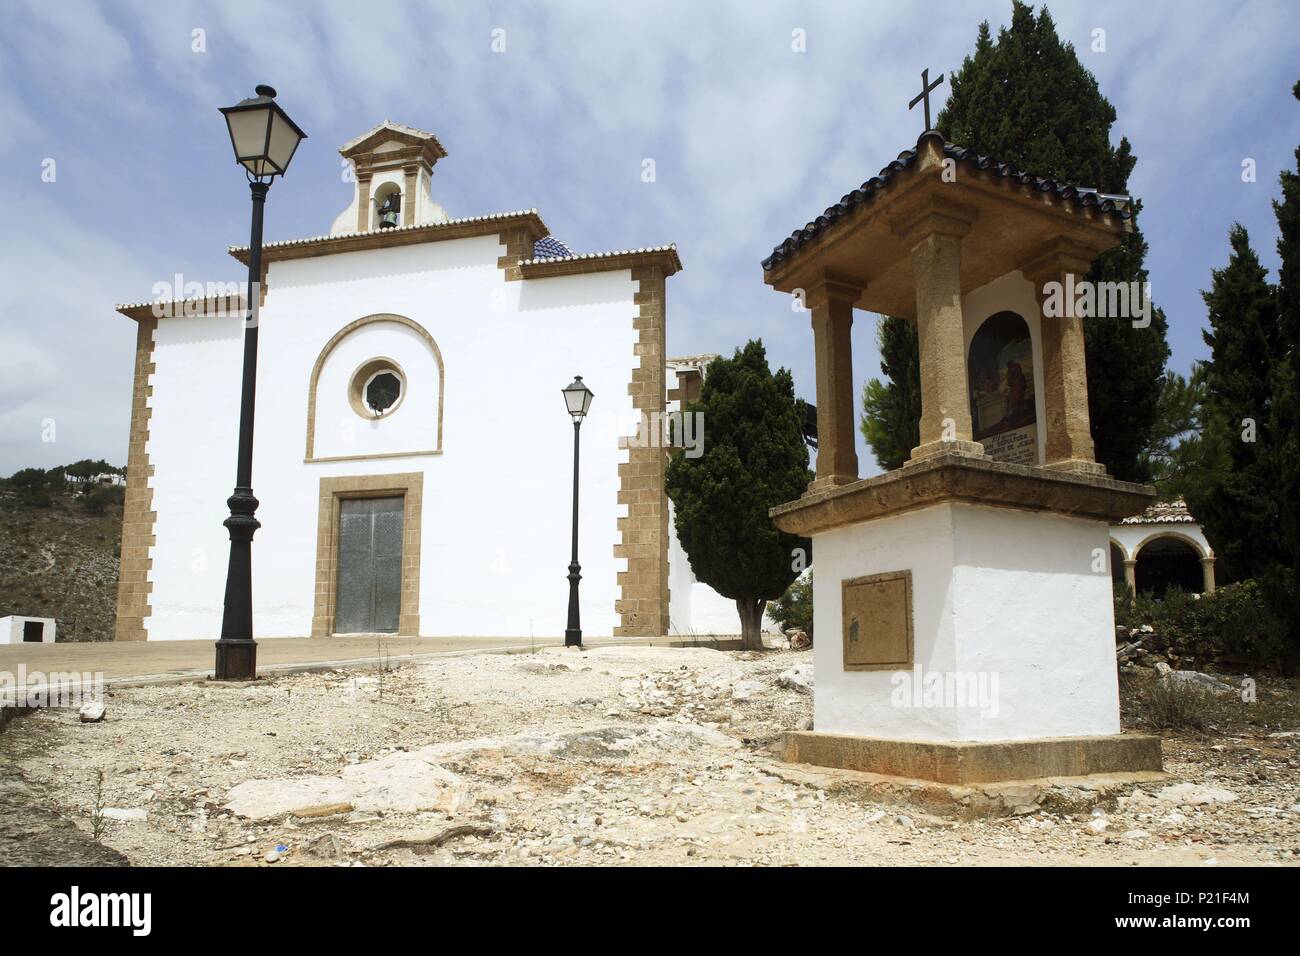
[[1237, 507], [754, 458], [891, 414]]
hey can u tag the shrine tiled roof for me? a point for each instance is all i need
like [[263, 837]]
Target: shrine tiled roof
[[1077, 195], [1163, 512]]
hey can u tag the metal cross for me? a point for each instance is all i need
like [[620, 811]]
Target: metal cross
[[926, 87]]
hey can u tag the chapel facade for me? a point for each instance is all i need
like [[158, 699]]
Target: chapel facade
[[412, 454]]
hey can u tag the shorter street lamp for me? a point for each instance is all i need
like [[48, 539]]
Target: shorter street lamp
[[264, 139], [577, 399]]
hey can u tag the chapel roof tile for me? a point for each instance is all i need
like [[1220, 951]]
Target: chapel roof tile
[[1077, 195], [1163, 512]]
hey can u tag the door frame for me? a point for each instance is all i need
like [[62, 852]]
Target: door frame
[[410, 487]]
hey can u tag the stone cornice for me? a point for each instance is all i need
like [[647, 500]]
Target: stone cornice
[[489, 225], [956, 478], [665, 257]]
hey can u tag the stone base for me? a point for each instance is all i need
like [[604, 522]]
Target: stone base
[[1078, 466], [976, 762], [932, 449]]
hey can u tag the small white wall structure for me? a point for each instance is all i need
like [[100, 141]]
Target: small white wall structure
[[1162, 524], [17, 629], [973, 569]]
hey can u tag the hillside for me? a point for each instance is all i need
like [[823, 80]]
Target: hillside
[[61, 562]]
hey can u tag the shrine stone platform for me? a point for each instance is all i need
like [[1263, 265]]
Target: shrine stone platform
[[968, 763]]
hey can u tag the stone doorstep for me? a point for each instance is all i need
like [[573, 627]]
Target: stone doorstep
[[950, 802], [975, 763]]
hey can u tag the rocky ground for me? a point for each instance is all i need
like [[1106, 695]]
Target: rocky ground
[[627, 755]]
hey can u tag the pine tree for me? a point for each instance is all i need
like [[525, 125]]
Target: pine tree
[[754, 459], [1026, 99]]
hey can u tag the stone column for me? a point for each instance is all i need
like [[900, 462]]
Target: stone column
[[1130, 576], [1207, 573], [408, 196], [936, 268], [1065, 371], [831, 303], [363, 202]]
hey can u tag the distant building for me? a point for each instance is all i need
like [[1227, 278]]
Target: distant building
[[1162, 547]]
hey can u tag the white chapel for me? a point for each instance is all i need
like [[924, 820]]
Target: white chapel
[[412, 453]]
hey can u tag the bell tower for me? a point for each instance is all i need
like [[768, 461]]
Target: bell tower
[[392, 165]]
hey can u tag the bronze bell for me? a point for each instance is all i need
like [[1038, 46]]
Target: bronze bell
[[390, 211]]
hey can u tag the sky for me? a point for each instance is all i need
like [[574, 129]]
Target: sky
[[556, 106]]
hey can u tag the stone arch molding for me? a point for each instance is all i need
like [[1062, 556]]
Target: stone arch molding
[[1201, 551], [336, 432]]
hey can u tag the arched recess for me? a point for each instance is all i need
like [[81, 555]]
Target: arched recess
[[435, 444], [1000, 379], [1117, 558], [1166, 559]]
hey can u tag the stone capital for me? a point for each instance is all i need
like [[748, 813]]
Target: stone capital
[[933, 215], [832, 289], [1053, 260]]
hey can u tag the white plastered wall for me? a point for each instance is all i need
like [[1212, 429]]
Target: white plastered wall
[[496, 502], [994, 592]]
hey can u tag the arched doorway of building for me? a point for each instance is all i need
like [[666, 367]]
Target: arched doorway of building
[[1116, 565], [1166, 562]]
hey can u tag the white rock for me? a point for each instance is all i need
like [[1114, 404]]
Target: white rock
[[1195, 795], [745, 689], [876, 817], [1098, 825], [1197, 679], [126, 815], [93, 712], [272, 857], [1163, 669], [1136, 834], [798, 678], [402, 782]]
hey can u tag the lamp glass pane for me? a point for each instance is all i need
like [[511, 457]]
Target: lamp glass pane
[[284, 140], [248, 133]]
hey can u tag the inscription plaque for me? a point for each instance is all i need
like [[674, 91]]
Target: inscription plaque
[[877, 623]]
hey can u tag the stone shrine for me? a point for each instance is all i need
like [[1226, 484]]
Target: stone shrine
[[962, 603]]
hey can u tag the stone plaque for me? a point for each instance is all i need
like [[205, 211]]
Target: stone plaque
[[877, 622]]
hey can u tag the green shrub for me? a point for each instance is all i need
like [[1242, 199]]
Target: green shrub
[[794, 608], [1233, 622], [98, 500], [29, 497]]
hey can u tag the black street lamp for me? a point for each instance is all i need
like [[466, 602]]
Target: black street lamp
[[577, 398], [264, 139]]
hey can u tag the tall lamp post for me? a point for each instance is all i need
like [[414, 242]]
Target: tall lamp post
[[577, 398], [264, 139]]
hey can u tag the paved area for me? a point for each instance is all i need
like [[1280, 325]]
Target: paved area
[[143, 661]]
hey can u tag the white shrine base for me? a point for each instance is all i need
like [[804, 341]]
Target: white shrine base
[[1013, 608]]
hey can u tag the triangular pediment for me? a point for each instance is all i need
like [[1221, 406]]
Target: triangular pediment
[[389, 136]]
